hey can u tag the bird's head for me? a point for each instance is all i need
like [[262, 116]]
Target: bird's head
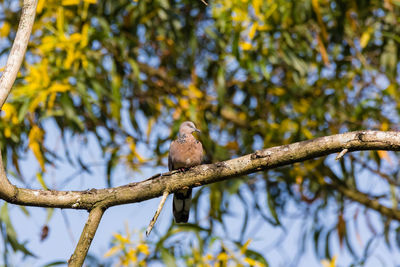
[[187, 128]]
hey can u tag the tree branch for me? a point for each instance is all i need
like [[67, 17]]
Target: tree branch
[[158, 211], [86, 238], [204, 174], [7, 190], [18, 49], [363, 199]]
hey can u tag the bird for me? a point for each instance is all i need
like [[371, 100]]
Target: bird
[[184, 152]]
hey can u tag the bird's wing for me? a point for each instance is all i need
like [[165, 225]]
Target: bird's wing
[[170, 163]]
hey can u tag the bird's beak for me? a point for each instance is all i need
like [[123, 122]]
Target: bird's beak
[[197, 131]]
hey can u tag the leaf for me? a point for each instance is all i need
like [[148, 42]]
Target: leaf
[[322, 51], [398, 236], [244, 247], [272, 208], [44, 233], [5, 29], [167, 258], [341, 228], [70, 112], [366, 36], [143, 248], [252, 262], [316, 236], [23, 110], [246, 46], [112, 251], [110, 166], [5, 218], [55, 263], [383, 154], [122, 239], [70, 2], [116, 103], [327, 236], [329, 263], [50, 212], [15, 161], [85, 35], [221, 90], [256, 256], [40, 6], [215, 202], [39, 177], [24, 210], [60, 20], [11, 234], [317, 10], [150, 124], [19, 247], [36, 136]]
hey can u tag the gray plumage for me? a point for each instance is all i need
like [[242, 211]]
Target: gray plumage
[[185, 152]]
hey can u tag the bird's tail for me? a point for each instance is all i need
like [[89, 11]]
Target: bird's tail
[[181, 205]]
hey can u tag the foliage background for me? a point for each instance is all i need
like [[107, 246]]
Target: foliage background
[[106, 84]]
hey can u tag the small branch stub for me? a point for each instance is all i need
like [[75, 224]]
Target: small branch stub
[[341, 154], [160, 206]]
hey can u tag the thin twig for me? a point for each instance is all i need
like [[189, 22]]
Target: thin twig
[[341, 154], [18, 49], [204, 2], [160, 206], [365, 200], [86, 238], [385, 176]]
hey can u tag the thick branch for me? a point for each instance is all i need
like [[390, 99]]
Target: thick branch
[[204, 174], [18, 49], [7, 190], [86, 238]]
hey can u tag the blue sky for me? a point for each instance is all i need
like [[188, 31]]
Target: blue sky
[[267, 239]]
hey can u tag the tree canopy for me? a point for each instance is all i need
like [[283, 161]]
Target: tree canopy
[[251, 74]]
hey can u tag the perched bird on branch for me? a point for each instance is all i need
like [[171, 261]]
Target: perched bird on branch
[[185, 152]]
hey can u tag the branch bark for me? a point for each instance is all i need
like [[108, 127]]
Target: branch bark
[[204, 174], [86, 238], [97, 201], [158, 211], [18, 49]]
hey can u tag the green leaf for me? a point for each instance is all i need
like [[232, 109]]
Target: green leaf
[[168, 258], [50, 212], [11, 234], [256, 256], [272, 208], [55, 263], [24, 210], [39, 177], [23, 110]]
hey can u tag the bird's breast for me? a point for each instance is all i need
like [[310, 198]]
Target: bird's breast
[[186, 154]]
